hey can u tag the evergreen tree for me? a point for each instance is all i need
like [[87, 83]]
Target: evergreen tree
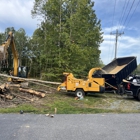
[[71, 36]]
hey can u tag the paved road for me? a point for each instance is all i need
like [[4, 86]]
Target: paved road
[[70, 127]]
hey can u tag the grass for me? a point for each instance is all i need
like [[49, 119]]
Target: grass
[[66, 104], [25, 108]]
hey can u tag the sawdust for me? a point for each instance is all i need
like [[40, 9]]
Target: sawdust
[[117, 69]]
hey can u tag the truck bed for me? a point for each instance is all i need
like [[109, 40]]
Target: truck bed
[[119, 69]]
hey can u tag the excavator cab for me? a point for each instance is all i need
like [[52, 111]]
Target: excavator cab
[[23, 72]]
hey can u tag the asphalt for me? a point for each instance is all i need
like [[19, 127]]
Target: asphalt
[[70, 127]]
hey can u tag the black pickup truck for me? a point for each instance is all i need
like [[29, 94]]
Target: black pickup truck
[[132, 86]]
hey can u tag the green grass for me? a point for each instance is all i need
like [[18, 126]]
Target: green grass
[[66, 104], [25, 108]]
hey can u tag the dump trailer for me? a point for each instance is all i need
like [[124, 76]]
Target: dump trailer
[[116, 71]]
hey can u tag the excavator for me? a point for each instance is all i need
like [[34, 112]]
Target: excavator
[[17, 70]]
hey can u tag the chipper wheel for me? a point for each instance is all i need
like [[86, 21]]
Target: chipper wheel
[[79, 93]]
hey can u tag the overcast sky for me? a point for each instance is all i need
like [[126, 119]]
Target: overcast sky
[[123, 15]]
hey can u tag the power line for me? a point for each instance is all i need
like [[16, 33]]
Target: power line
[[123, 11], [129, 11], [133, 12], [113, 14]]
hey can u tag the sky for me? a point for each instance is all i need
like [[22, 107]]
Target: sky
[[124, 16], [121, 15]]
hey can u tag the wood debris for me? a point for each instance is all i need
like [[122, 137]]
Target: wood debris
[[3, 87], [6, 92], [22, 97], [29, 90], [6, 96]]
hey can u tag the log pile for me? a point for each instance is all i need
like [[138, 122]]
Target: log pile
[[12, 92], [6, 92]]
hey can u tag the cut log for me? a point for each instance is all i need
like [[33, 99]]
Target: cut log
[[4, 87], [22, 97], [40, 94], [14, 85], [6, 96]]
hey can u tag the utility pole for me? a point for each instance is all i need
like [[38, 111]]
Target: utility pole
[[117, 35]]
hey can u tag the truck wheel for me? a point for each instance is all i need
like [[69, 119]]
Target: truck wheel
[[135, 97], [79, 93], [122, 91], [139, 96]]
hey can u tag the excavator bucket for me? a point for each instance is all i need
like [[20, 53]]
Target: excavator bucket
[[3, 57], [1, 53]]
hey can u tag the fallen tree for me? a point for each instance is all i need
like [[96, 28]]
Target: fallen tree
[[30, 80]]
